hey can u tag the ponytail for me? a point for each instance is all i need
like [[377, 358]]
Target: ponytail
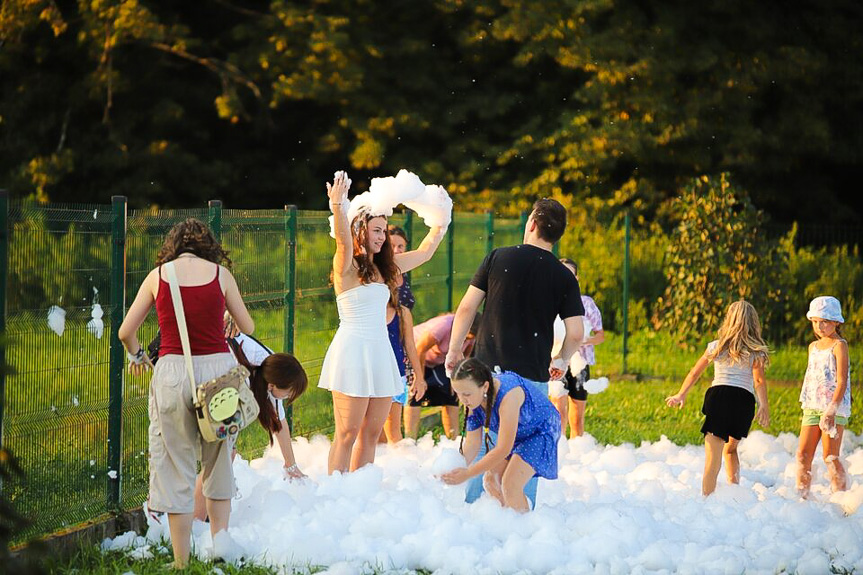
[[476, 371]]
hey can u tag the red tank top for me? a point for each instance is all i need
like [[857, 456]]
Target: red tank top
[[204, 307]]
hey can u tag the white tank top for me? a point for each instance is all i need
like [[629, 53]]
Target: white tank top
[[731, 373], [820, 382]]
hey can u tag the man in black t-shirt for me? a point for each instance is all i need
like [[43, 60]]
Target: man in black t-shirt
[[524, 288]]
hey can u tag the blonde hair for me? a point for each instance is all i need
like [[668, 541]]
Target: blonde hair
[[740, 336]]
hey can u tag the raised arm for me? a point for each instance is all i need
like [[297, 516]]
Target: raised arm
[[415, 258], [464, 315], [337, 192]]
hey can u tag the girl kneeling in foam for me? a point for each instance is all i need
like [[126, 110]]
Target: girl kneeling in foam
[[527, 427]]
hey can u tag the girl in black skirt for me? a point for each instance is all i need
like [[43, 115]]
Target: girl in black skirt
[[739, 357]]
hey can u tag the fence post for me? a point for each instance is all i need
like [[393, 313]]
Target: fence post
[[4, 270], [450, 277], [214, 218], [489, 231], [290, 289], [625, 289], [117, 355]]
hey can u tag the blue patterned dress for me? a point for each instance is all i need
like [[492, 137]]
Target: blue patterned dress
[[538, 424]]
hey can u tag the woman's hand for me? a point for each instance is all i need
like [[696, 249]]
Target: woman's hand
[[676, 400], [418, 387], [231, 329], [140, 367], [456, 476], [337, 192], [292, 472]]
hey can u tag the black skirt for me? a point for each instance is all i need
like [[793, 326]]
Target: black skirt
[[729, 411]]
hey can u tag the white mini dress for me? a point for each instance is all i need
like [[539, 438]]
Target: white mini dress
[[360, 361]]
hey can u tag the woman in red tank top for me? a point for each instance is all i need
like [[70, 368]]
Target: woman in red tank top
[[207, 289]]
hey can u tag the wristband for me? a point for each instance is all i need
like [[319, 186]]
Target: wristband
[[137, 358], [291, 468]]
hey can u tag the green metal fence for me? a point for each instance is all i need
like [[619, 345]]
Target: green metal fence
[[78, 422], [70, 412]]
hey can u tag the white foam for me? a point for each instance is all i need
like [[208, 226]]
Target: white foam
[[614, 509], [57, 319]]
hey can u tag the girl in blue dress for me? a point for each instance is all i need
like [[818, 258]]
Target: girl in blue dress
[[527, 427]]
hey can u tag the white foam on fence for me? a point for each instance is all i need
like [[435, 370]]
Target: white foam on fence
[[614, 509]]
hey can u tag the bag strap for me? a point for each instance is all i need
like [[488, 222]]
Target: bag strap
[[181, 324]]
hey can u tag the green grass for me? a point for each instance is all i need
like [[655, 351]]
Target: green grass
[[635, 411], [90, 559]]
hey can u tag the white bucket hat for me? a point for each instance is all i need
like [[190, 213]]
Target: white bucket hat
[[825, 307]]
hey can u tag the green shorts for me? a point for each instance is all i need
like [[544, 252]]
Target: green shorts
[[813, 417]]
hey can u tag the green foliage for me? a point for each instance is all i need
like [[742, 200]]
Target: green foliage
[[500, 101], [717, 255]]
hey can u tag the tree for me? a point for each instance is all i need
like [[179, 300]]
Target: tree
[[718, 254]]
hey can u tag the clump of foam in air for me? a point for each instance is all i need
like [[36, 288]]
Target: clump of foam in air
[[597, 385], [431, 203], [57, 319]]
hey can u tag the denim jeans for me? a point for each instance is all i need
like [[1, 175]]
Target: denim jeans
[[474, 485]]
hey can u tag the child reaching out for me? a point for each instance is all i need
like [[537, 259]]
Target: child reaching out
[[527, 427], [825, 396], [739, 357]]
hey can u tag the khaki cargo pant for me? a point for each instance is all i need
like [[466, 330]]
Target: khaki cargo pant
[[175, 442]]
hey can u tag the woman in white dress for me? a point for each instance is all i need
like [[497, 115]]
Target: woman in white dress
[[360, 368]]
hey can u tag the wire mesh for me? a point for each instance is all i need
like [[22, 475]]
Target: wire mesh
[[57, 387], [56, 400]]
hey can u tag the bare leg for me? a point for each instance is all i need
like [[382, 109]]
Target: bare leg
[[562, 405], [370, 428], [832, 447], [348, 413], [219, 511], [713, 447], [412, 421], [393, 425], [449, 418], [576, 416], [180, 526], [732, 461], [491, 482], [515, 477], [200, 512], [809, 437]]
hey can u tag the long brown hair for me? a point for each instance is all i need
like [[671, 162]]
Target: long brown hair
[[740, 335], [479, 373], [285, 372], [384, 259], [192, 236]]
